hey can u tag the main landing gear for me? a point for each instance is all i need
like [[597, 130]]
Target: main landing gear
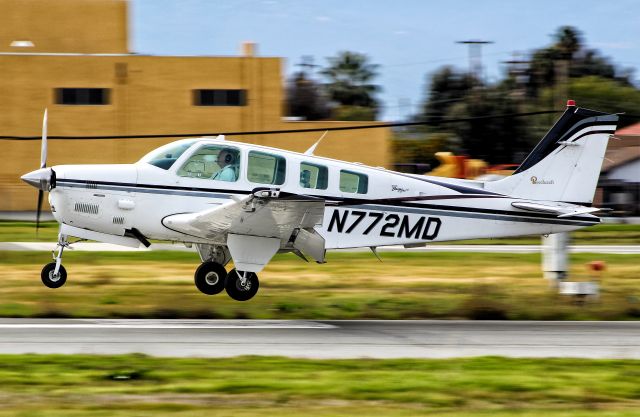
[[211, 277], [53, 274]]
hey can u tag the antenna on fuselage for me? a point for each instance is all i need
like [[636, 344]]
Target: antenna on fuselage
[[315, 145]]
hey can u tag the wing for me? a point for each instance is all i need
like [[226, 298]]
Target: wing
[[287, 220]]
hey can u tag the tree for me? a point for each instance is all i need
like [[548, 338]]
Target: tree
[[350, 81], [305, 98], [568, 46], [606, 95], [447, 87]]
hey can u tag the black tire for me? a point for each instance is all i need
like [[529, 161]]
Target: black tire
[[49, 280], [237, 291], [210, 278]]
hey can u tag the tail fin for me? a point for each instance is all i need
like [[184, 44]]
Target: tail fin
[[566, 164]]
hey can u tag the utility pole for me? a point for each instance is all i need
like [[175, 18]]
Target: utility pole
[[561, 67], [307, 65], [475, 56]]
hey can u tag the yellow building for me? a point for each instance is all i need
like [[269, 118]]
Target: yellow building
[[80, 69]]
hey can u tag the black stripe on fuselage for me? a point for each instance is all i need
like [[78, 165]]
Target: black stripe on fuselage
[[405, 202]]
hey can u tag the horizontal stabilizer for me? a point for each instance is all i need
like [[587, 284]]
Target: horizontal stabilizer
[[561, 210]]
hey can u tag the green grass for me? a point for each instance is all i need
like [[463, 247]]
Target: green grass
[[407, 285], [603, 234], [139, 385]]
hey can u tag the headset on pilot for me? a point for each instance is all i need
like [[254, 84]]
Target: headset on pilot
[[227, 162]]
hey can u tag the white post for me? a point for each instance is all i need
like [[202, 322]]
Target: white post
[[555, 256]]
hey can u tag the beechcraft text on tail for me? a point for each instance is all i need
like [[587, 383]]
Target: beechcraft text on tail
[[245, 203]]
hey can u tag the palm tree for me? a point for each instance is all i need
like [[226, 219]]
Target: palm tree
[[350, 77]]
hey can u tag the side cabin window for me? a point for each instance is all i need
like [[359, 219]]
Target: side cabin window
[[214, 162], [265, 168], [313, 176], [353, 182]]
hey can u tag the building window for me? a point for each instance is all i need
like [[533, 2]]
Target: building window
[[82, 96], [353, 182], [219, 97]]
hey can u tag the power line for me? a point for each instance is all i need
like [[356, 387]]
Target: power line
[[284, 131]]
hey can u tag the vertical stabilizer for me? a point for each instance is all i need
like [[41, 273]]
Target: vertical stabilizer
[[566, 164]]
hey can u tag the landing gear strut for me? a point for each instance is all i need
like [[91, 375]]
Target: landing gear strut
[[241, 285], [211, 277], [54, 275]]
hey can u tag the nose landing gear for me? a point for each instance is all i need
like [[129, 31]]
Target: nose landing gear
[[54, 275]]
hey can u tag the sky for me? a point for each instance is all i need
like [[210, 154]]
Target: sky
[[409, 39]]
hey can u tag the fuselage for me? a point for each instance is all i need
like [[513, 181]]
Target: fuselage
[[364, 206]]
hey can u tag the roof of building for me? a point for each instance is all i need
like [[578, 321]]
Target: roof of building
[[633, 129], [615, 158]]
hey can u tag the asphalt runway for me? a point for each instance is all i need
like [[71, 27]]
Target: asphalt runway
[[322, 339]]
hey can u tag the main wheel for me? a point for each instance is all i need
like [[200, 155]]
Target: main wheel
[[237, 290], [210, 278], [52, 280]]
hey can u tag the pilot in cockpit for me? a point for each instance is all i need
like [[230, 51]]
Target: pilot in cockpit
[[226, 161]]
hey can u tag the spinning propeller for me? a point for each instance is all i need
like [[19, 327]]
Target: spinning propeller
[[44, 178]]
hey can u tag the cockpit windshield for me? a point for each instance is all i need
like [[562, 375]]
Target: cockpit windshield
[[165, 156]]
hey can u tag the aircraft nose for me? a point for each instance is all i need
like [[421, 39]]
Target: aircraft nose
[[40, 178]]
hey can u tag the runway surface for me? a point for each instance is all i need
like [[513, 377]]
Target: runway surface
[[322, 339]]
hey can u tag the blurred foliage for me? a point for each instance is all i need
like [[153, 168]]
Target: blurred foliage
[[532, 84], [306, 99], [410, 150], [137, 385], [354, 113], [349, 78], [603, 94], [347, 93], [568, 45]]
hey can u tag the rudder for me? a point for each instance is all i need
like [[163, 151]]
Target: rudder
[[566, 163]]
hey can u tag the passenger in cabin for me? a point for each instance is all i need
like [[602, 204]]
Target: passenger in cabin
[[305, 178], [226, 161]]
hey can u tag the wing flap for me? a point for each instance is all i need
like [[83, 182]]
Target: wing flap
[[265, 213]]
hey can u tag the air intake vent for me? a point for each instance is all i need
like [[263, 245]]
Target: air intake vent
[[92, 184], [118, 220], [86, 208]]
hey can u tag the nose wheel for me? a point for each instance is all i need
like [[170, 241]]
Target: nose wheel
[[51, 278], [53, 274]]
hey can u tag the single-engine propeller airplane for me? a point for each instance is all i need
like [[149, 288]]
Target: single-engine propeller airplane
[[243, 202]]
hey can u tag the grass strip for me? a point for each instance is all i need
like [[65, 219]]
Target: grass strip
[[51, 385], [407, 285]]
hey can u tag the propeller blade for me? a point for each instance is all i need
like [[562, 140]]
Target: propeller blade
[[40, 198], [43, 149]]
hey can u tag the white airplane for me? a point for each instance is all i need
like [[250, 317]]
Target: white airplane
[[243, 202]]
